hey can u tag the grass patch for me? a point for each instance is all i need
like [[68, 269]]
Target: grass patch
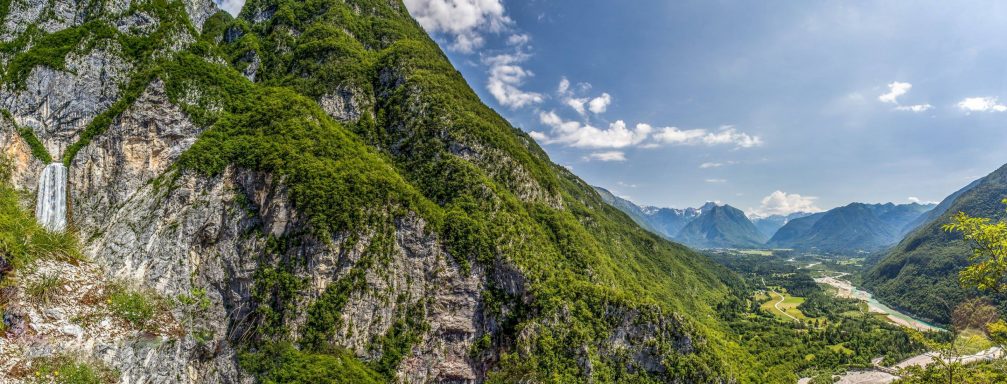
[[23, 241], [44, 290], [135, 306], [787, 308], [66, 369]]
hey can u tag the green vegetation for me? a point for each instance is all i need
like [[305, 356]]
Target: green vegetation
[[136, 307], [282, 363], [976, 321], [787, 309], [45, 289], [22, 240], [831, 335], [922, 273], [855, 227], [37, 149], [66, 369]]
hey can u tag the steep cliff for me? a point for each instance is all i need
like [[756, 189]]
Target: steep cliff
[[312, 191]]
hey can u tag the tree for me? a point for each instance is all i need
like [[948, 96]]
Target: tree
[[976, 313], [989, 251]]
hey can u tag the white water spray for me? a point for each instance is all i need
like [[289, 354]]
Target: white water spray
[[51, 207]]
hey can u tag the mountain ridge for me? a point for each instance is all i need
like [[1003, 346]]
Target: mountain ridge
[[853, 227]]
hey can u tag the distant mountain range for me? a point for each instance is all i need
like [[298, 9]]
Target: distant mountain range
[[768, 225], [721, 226], [855, 227], [920, 274]]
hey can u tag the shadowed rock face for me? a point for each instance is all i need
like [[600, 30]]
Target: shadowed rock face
[[50, 209]]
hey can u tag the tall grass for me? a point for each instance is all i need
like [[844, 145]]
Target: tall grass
[[22, 240]]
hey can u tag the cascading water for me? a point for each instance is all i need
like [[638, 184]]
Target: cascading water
[[51, 207]]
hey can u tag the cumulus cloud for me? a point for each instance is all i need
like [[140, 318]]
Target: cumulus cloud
[[726, 135], [518, 39], [577, 104], [600, 104], [915, 108], [582, 105], [782, 203], [895, 89], [506, 76], [981, 104], [465, 20], [618, 135], [606, 156], [231, 6], [577, 134]]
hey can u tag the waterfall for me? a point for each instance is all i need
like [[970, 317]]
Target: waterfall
[[51, 207]]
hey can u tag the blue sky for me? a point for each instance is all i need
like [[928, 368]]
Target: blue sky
[[772, 106]]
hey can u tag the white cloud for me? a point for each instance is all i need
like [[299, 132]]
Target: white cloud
[[518, 39], [465, 20], [618, 135], [564, 86], [782, 203], [577, 134], [981, 104], [716, 164], [231, 6], [895, 89], [506, 76], [914, 199], [915, 108], [582, 105], [726, 135], [606, 156], [577, 105], [600, 104], [715, 181]]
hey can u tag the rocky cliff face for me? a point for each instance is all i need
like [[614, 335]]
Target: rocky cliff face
[[496, 265]]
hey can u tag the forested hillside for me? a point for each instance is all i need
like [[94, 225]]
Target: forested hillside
[[920, 274], [326, 186]]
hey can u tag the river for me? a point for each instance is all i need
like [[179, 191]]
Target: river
[[846, 289]]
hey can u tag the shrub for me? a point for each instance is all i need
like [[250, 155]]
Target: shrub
[[136, 307]]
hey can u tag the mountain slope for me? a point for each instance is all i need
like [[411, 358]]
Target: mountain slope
[[854, 227], [328, 189], [721, 227], [666, 222], [938, 210], [770, 224], [920, 274], [635, 212]]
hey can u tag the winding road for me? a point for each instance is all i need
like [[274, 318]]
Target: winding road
[[777, 305]]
